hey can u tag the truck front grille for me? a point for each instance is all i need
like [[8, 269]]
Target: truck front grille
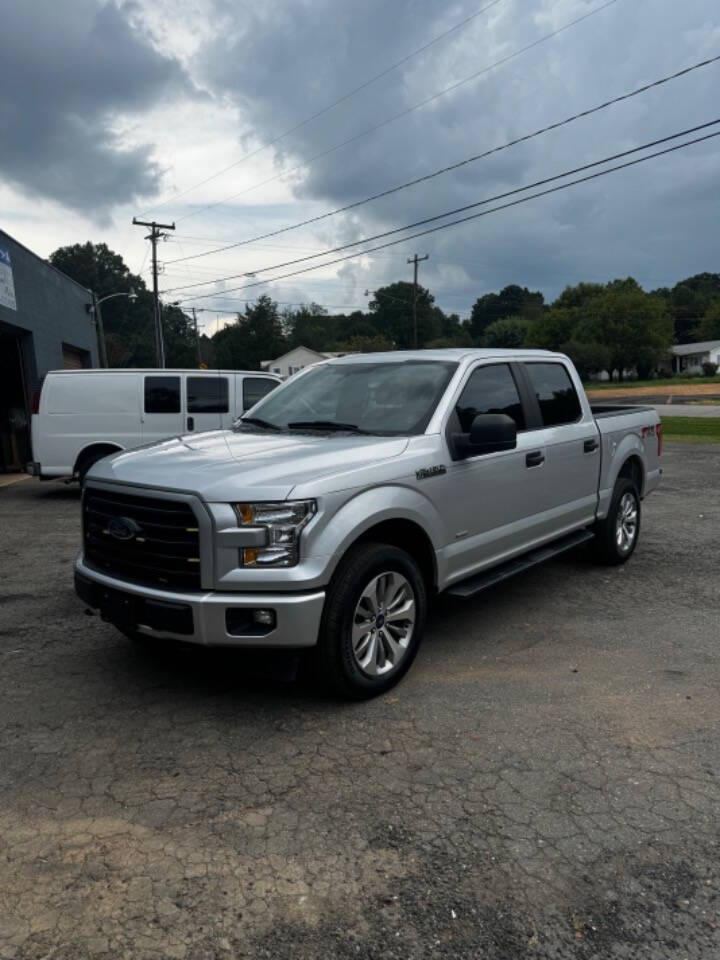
[[146, 540]]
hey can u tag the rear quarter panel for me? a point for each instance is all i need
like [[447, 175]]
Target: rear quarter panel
[[624, 436]]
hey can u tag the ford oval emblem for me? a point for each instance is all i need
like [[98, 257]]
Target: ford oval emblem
[[123, 528]]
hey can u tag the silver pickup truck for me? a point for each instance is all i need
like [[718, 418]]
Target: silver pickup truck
[[336, 507]]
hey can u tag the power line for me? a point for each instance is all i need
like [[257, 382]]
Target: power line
[[331, 106], [505, 206], [403, 113], [447, 213], [456, 166]]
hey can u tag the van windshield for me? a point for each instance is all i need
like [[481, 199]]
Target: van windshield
[[386, 399]]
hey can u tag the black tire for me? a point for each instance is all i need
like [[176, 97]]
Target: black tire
[[335, 662], [609, 546], [84, 464]]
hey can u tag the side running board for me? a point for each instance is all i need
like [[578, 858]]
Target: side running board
[[473, 585]]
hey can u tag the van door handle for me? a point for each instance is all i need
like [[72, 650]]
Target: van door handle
[[534, 459], [191, 423], [590, 446]]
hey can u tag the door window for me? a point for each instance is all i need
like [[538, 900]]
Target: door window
[[254, 389], [555, 393], [490, 389], [162, 394], [207, 395]]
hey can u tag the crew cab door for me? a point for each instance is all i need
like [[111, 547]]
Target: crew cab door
[[207, 402], [490, 500], [162, 407], [572, 445]]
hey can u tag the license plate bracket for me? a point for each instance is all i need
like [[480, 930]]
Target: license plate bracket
[[118, 608]]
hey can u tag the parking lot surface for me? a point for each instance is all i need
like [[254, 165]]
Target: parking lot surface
[[544, 783]]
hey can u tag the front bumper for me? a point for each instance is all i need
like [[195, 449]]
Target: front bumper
[[202, 617]]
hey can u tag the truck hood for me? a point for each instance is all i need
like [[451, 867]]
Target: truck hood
[[224, 466]]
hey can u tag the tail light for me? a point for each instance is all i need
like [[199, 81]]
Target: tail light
[[658, 431], [36, 401]]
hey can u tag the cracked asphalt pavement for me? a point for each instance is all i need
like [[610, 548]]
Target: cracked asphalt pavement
[[544, 783]]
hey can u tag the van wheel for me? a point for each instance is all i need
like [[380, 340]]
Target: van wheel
[[87, 461], [617, 535], [373, 621]]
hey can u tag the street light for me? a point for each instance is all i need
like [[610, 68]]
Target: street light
[[94, 309]]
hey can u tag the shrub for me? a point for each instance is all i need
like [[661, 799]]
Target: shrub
[[709, 368]]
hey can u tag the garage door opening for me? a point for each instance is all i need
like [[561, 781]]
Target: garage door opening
[[74, 358], [14, 413]]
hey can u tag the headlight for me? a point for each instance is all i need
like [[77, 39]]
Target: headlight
[[282, 523]]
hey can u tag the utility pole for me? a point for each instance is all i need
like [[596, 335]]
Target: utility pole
[[197, 337], [415, 261], [155, 235]]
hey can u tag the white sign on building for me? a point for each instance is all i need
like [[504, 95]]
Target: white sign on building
[[7, 287]]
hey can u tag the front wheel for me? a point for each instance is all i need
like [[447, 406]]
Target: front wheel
[[617, 534], [373, 621]]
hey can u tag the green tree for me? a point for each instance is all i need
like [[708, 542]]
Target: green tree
[[636, 328], [129, 326], [709, 328], [688, 302], [512, 301], [256, 335], [374, 344], [392, 314], [553, 328], [510, 332], [310, 326]]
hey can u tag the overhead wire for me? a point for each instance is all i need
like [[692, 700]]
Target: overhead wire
[[455, 166], [330, 106], [449, 213], [403, 113], [513, 203]]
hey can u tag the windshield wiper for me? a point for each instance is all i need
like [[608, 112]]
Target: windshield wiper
[[258, 422], [325, 425]]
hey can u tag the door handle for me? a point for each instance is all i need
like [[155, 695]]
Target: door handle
[[191, 423], [590, 446], [534, 459]]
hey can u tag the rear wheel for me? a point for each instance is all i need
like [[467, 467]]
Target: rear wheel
[[373, 621], [617, 534]]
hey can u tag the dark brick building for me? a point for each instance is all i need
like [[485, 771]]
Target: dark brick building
[[44, 325]]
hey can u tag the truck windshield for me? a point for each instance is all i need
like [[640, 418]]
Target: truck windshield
[[387, 399]]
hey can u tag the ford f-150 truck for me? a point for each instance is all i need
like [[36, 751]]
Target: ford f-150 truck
[[341, 502]]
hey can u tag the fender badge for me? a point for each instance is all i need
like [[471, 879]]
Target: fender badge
[[428, 472]]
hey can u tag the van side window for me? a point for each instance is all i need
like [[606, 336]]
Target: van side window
[[490, 389], [555, 392], [255, 388], [207, 394], [162, 394]]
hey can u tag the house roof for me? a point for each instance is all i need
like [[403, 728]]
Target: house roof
[[686, 349]]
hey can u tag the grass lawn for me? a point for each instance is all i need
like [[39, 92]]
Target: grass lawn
[[691, 429], [634, 384]]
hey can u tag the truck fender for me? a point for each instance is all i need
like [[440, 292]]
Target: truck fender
[[629, 446], [368, 509]]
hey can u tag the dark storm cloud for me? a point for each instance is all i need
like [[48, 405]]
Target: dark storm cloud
[[282, 61], [69, 69]]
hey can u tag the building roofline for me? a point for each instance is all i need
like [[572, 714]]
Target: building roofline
[[42, 260]]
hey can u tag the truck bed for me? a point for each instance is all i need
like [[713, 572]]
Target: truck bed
[[601, 410]]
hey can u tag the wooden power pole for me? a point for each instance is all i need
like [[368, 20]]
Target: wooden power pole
[[415, 261], [155, 235]]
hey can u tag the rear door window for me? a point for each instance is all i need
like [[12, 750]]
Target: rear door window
[[255, 388], [162, 394], [490, 389], [207, 394], [555, 393]]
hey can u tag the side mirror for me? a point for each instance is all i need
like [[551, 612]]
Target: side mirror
[[489, 433]]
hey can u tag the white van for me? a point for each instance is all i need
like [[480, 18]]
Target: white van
[[84, 415]]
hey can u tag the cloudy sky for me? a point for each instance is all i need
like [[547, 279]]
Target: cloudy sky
[[203, 112]]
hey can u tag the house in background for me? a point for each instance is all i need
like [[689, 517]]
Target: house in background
[[296, 359], [690, 357]]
